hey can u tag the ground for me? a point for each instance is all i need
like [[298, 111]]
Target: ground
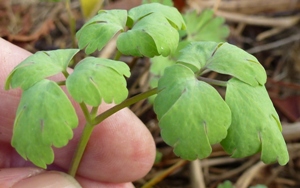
[[267, 29]]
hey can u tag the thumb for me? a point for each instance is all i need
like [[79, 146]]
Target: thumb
[[34, 177]]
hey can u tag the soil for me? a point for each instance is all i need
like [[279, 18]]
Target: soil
[[270, 30]]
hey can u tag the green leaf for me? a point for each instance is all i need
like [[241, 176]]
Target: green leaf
[[192, 115], [205, 26], [170, 13], [95, 79], [255, 124], [164, 2], [229, 59], [158, 65], [39, 66], [45, 117], [196, 54], [151, 36], [99, 30], [259, 186], [226, 184], [224, 58]]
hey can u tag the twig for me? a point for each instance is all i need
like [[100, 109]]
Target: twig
[[216, 5], [197, 178], [235, 171], [273, 45], [164, 174], [269, 33], [259, 20], [219, 161], [245, 179], [248, 7], [291, 131], [109, 49]]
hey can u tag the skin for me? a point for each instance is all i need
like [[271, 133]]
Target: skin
[[120, 149]]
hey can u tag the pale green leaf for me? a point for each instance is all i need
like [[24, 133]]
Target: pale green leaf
[[170, 13], [192, 115], [39, 66], [164, 2], [95, 79], [99, 30], [205, 26], [259, 186], [226, 184], [151, 36], [255, 124], [158, 65], [196, 54], [224, 58], [45, 117], [229, 59]]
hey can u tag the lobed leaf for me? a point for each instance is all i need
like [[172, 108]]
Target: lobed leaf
[[99, 30], [158, 65], [95, 79], [255, 124], [170, 13], [196, 54], [45, 117], [192, 115], [224, 58], [229, 59], [205, 26], [39, 66], [226, 184], [164, 2], [151, 36]]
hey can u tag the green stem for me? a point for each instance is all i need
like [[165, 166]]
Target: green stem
[[93, 112], [118, 55], [87, 131], [61, 83], [65, 73], [124, 104], [86, 113], [214, 82], [72, 23], [85, 136]]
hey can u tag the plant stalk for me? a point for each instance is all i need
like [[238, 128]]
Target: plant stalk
[[87, 131], [85, 136], [72, 22], [117, 55], [214, 82], [124, 104]]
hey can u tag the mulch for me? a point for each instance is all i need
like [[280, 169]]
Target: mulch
[[268, 29]]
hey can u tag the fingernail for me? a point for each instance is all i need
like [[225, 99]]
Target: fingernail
[[50, 179]]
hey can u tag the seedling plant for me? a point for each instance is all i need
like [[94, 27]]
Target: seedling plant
[[192, 114]]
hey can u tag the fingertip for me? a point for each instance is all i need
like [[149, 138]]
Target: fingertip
[[11, 176], [48, 179], [95, 184]]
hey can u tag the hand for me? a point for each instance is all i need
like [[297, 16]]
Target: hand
[[120, 149]]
